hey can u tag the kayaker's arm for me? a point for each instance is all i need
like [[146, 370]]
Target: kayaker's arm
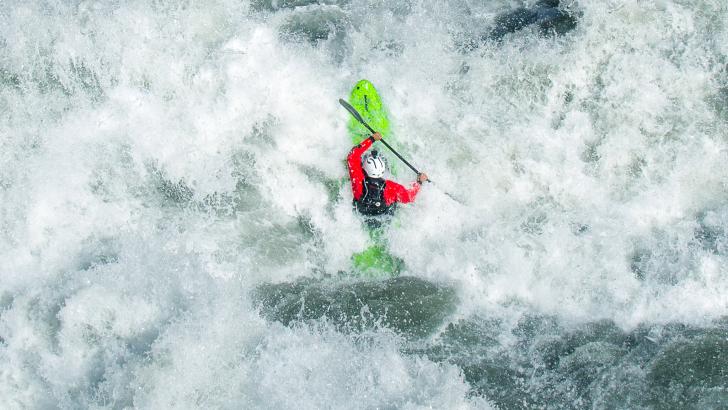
[[356, 173], [394, 192]]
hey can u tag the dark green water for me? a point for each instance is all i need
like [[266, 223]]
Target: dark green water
[[539, 362]]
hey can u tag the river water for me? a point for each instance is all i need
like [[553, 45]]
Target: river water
[[173, 230]]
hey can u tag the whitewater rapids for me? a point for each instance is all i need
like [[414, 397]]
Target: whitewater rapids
[[163, 161]]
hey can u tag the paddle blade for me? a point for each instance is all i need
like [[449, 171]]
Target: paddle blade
[[355, 114]]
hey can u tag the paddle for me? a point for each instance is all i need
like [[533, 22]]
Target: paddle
[[359, 118]]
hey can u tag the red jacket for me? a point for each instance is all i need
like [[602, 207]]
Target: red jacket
[[393, 192]]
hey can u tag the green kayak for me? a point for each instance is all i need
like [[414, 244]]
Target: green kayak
[[375, 261]]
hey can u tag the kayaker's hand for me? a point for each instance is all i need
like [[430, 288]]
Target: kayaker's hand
[[422, 177], [377, 136]]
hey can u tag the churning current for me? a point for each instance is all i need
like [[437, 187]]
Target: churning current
[[176, 226]]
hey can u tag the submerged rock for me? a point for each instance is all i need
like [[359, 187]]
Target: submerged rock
[[546, 14], [410, 306]]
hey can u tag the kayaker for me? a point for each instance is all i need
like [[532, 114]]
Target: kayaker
[[374, 195]]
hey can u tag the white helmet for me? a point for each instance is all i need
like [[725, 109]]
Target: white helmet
[[373, 165]]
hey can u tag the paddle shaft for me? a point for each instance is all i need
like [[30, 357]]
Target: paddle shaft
[[359, 118]]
